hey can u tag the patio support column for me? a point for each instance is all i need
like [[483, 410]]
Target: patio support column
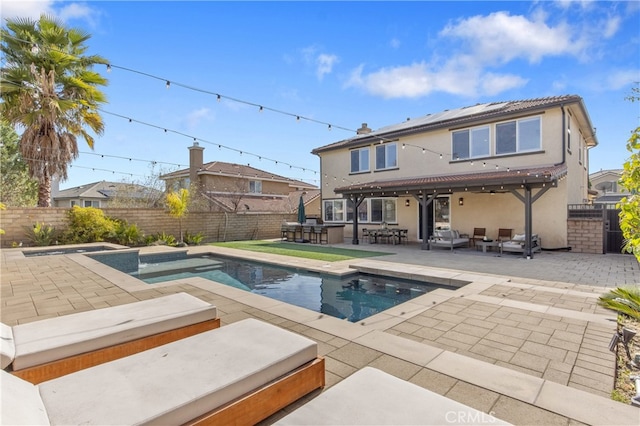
[[356, 200], [528, 226], [528, 199], [424, 204]]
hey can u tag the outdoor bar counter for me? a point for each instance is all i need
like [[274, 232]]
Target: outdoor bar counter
[[335, 233], [293, 231]]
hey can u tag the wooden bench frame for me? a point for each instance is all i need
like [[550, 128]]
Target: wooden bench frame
[[51, 370], [267, 400]]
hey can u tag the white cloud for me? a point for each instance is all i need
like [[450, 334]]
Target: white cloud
[[477, 48], [500, 37], [322, 62], [33, 9], [620, 79], [419, 79], [26, 9], [394, 43], [194, 118], [325, 63], [611, 27], [493, 84]]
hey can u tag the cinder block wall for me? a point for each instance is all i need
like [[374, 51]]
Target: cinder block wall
[[586, 235], [214, 226]]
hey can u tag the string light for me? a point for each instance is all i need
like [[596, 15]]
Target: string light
[[109, 67]]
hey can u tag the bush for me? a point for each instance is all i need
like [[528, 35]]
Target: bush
[[162, 238], [125, 234], [193, 239], [88, 225], [41, 235]]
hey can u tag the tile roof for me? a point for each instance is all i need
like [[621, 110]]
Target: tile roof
[[501, 179], [104, 190], [459, 116], [238, 170]]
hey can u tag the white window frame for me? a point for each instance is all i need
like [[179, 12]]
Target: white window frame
[[478, 145], [390, 161], [519, 136], [255, 187], [363, 160], [337, 210], [389, 210]]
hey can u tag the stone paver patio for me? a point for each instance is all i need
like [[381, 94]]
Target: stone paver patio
[[527, 350]]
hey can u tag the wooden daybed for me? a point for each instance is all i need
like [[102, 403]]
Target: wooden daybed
[[237, 374], [50, 348]]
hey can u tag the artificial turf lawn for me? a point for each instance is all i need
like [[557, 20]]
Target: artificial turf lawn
[[307, 251]]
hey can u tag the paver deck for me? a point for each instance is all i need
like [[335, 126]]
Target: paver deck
[[527, 350]]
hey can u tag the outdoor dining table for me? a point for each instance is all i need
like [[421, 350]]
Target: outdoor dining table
[[393, 235]]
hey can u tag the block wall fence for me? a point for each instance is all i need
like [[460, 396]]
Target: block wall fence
[[214, 226], [586, 235]]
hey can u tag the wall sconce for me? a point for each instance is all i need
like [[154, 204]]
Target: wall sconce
[[461, 201], [407, 202]]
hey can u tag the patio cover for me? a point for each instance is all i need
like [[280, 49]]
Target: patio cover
[[520, 182]]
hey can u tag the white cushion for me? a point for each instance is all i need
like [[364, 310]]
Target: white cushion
[[56, 338], [177, 382], [518, 237], [7, 346], [21, 402], [372, 397]]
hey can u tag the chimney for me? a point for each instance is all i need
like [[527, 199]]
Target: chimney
[[364, 130], [195, 162]]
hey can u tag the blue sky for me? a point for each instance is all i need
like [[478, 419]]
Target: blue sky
[[338, 63]]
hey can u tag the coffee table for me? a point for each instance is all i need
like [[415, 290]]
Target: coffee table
[[487, 244]]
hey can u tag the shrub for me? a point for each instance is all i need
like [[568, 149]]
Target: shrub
[[193, 239], [125, 234], [88, 225], [41, 234], [162, 238]]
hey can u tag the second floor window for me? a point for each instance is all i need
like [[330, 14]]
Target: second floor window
[[255, 186], [518, 136], [471, 143], [386, 156], [360, 160]]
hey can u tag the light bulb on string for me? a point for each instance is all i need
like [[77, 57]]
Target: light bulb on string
[[168, 85]]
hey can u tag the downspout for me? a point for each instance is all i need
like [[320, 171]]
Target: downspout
[[564, 136]]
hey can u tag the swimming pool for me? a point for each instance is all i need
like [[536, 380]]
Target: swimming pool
[[353, 297]]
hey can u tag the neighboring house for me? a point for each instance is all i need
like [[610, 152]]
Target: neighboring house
[[106, 194], [606, 186], [238, 188], [514, 164]]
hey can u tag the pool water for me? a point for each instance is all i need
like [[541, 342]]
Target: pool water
[[354, 297]]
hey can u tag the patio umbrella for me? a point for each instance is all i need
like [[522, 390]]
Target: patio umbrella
[[301, 213]]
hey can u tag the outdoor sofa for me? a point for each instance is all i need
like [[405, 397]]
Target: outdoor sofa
[[237, 374], [42, 350], [448, 239], [517, 244], [373, 397]]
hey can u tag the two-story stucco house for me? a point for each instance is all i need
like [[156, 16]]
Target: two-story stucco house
[[230, 187], [514, 164]]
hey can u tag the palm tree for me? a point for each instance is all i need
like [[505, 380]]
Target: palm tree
[[48, 88]]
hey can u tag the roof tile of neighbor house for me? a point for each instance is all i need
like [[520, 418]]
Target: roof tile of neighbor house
[[238, 170], [457, 117], [103, 190]]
